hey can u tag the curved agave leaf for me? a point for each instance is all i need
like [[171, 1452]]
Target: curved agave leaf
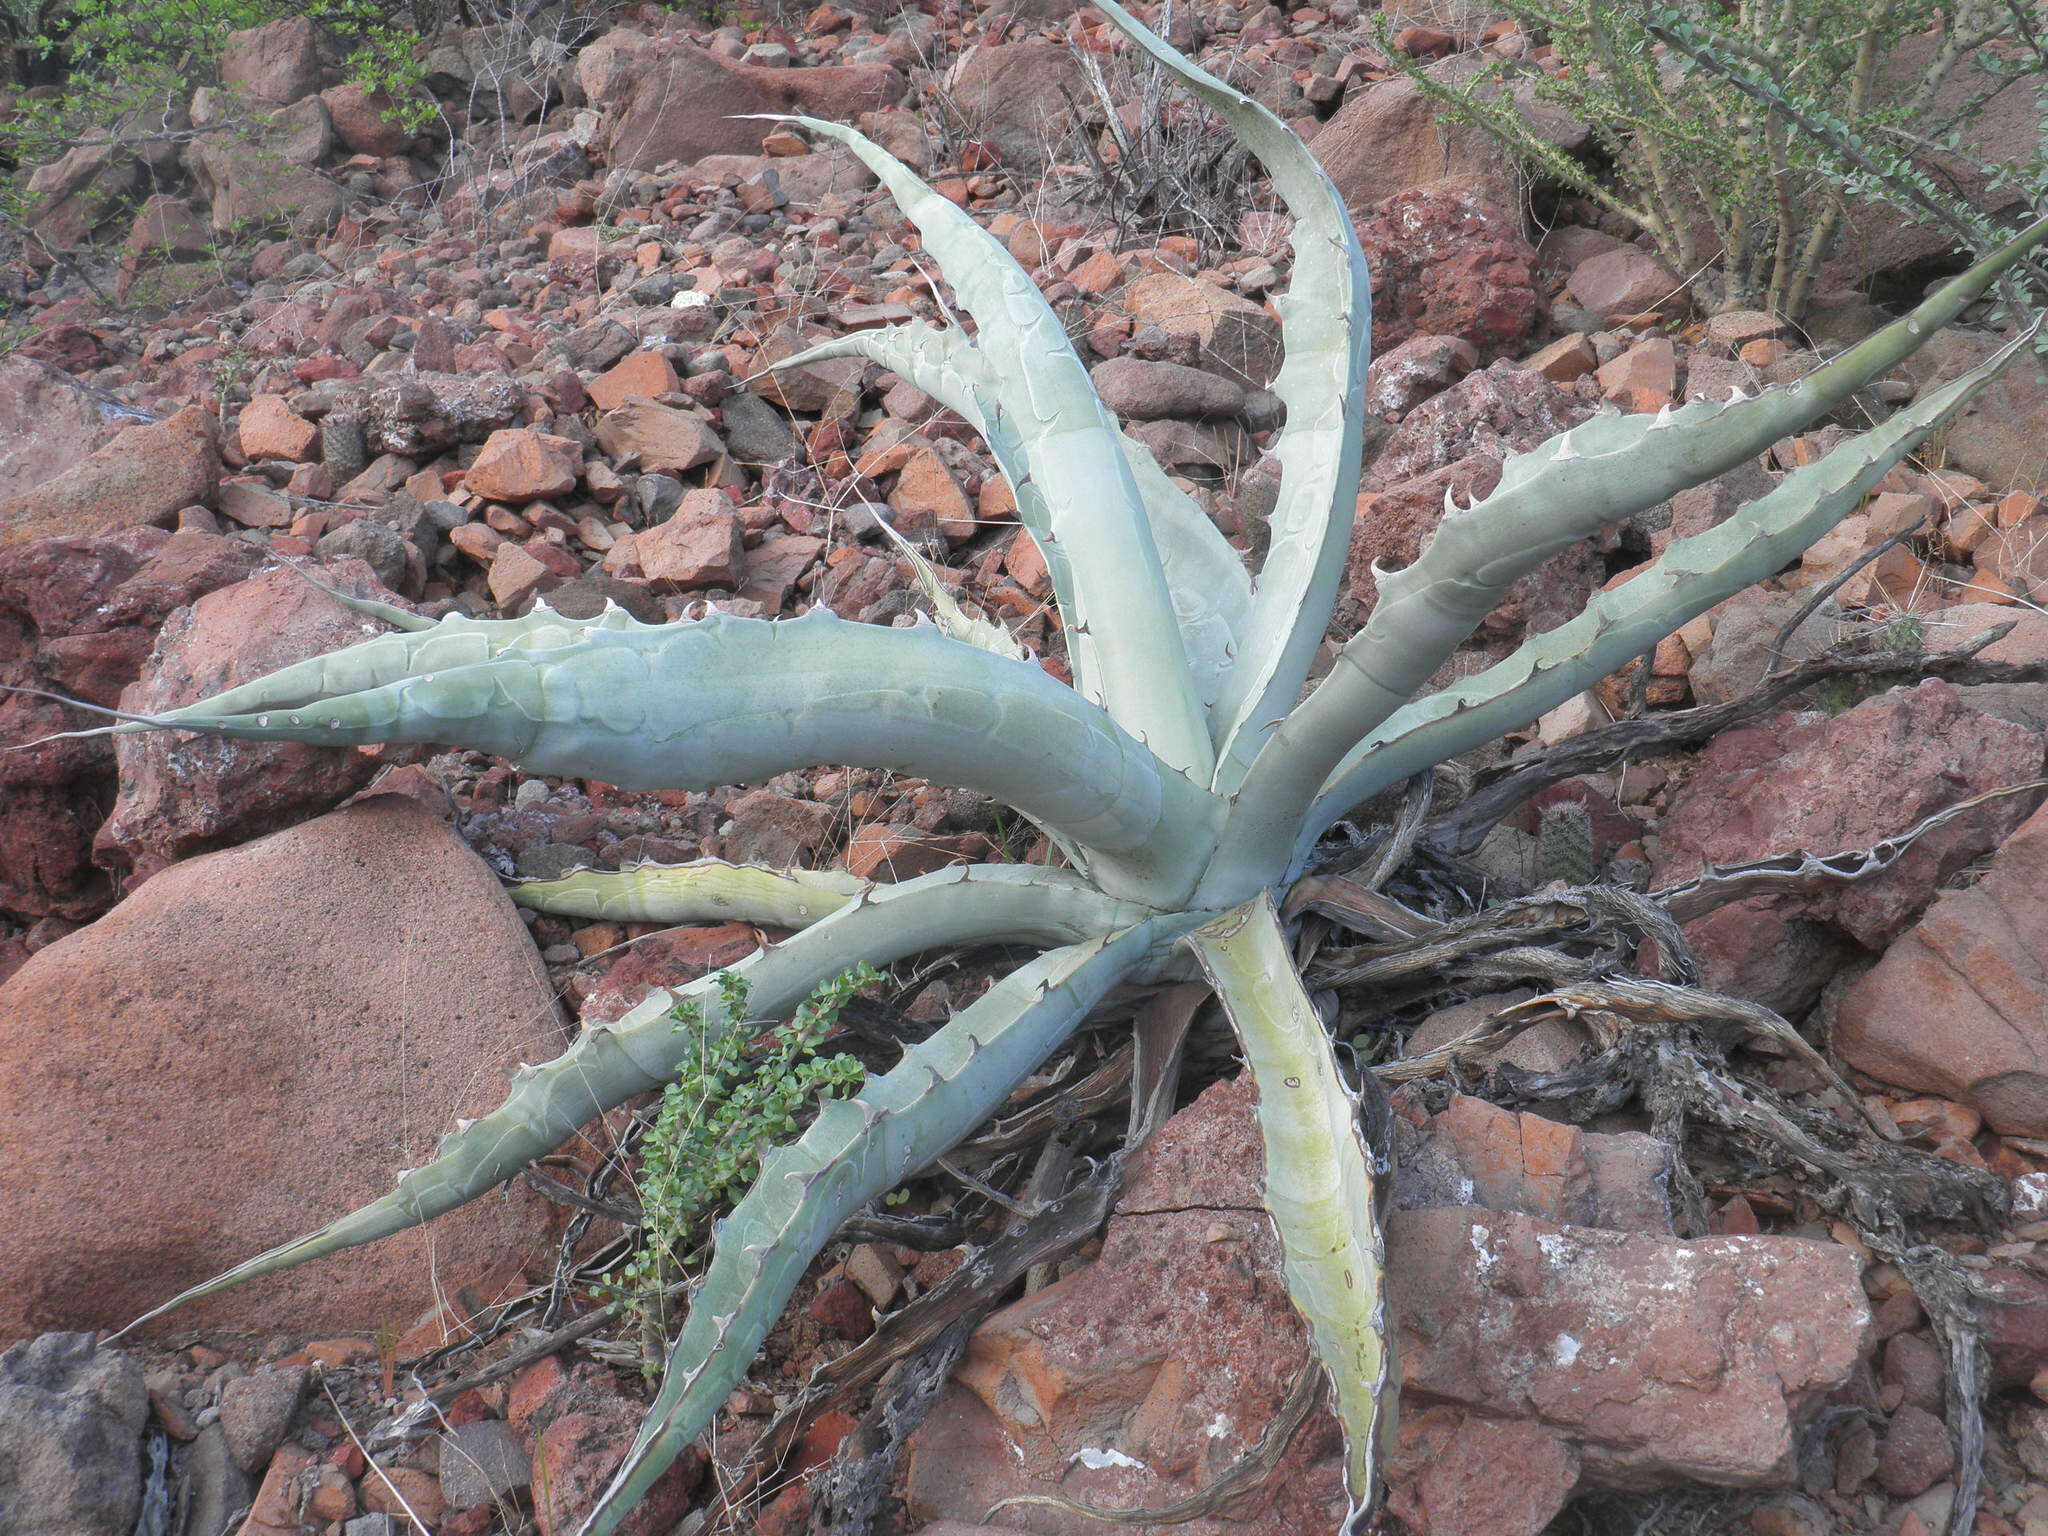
[[1548, 499], [727, 700], [609, 1063], [1619, 625], [1326, 329], [1127, 650], [1325, 1186], [1205, 578], [704, 890], [857, 1150]]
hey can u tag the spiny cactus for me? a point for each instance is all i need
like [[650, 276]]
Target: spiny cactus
[[1179, 776], [1564, 844]]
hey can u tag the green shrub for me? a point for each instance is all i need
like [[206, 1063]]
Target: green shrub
[[723, 1110], [1737, 136]]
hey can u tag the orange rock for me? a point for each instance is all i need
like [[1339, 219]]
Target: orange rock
[[517, 575], [647, 374], [519, 465], [271, 429], [1025, 563], [1644, 378], [926, 489], [1567, 358]]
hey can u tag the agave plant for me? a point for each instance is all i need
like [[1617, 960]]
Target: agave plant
[[1182, 778]]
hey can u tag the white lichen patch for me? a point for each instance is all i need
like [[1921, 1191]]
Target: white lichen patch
[[1097, 1461]]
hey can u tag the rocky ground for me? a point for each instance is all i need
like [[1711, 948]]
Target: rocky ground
[[519, 357]]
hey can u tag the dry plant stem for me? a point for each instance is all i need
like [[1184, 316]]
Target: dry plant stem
[[1464, 827], [1828, 589]]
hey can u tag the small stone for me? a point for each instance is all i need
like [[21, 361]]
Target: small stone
[[271, 429], [518, 465], [256, 1410], [875, 1273], [1567, 358], [482, 1462], [517, 576], [645, 374], [394, 1490], [660, 438], [927, 495], [703, 545], [1914, 1454], [1147, 391], [845, 1309], [1644, 378]]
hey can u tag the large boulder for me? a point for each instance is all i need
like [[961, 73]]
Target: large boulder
[[1535, 1353], [2006, 131], [1955, 1006], [1998, 436], [1391, 138], [266, 178], [1015, 99], [78, 616], [183, 794], [273, 65], [1445, 262], [145, 475], [47, 419], [665, 99], [252, 1044], [1825, 784]]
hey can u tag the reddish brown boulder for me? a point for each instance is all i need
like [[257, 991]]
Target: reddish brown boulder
[[334, 995], [272, 65], [47, 420], [362, 120], [1534, 1352], [1622, 282], [1390, 138], [1404, 376], [667, 99], [1826, 784], [1955, 1006], [1016, 99], [143, 476], [79, 616], [1446, 262], [182, 795]]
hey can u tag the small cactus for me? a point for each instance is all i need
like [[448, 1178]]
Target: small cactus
[[1564, 844], [343, 447]]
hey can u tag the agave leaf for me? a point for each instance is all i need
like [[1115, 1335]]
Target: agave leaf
[[953, 621], [701, 891], [727, 700], [1127, 650], [1619, 625], [1205, 578], [1325, 1186], [1548, 499], [609, 1063], [857, 1150], [1326, 328]]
